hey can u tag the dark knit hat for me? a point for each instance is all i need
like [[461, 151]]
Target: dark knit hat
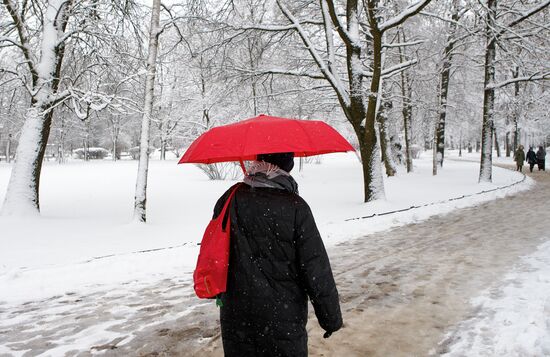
[[284, 160]]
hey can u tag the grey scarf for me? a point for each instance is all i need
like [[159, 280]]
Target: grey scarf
[[264, 174]]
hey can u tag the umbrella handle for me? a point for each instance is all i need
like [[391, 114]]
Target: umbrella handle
[[242, 167]]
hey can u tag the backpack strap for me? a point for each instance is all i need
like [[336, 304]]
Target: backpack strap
[[224, 212]]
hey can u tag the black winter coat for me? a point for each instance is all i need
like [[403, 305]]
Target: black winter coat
[[277, 260], [541, 155], [531, 157]]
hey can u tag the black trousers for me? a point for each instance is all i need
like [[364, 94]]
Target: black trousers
[[540, 164], [531, 165]]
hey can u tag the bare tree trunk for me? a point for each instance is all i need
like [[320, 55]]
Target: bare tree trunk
[[116, 133], [508, 144], [517, 134], [61, 143], [407, 107], [515, 74], [8, 140], [163, 149], [460, 145], [87, 141], [140, 213], [486, 164], [385, 144], [8, 149], [407, 119], [444, 80], [497, 146], [370, 135], [435, 160]]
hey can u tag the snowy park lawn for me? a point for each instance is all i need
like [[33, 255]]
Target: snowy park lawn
[[85, 240]]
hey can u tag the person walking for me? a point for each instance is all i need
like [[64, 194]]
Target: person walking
[[541, 158], [519, 158], [277, 261], [531, 158]]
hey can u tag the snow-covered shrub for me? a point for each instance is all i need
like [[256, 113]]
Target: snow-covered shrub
[[93, 153], [221, 170]]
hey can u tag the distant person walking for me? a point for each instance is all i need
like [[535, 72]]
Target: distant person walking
[[541, 157], [531, 158], [519, 158]]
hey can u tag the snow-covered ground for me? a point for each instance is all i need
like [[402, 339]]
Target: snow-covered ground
[[513, 317], [84, 240]]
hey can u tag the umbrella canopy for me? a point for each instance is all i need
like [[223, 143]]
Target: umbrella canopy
[[244, 140]]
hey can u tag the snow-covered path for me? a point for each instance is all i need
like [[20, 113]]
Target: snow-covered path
[[402, 291]]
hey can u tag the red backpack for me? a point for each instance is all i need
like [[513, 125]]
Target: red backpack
[[210, 276]]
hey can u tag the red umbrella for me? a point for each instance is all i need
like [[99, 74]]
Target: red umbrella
[[244, 140]]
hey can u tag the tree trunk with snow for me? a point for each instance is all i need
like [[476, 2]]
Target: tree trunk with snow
[[61, 144], [22, 195], [406, 106], [443, 93], [9, 135], [515, 115], [508, 144], [385, 144], [87, 140], [374, 85], [140, 201], [444, 79], [116, 133], [407, 120], [497, 145], [435, 160], [486, 165], [370, 153], [383, 105], [163, 148], [460, 145], [8, 148]]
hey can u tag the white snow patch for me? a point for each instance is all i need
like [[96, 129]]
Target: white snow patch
[[514, 316]]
